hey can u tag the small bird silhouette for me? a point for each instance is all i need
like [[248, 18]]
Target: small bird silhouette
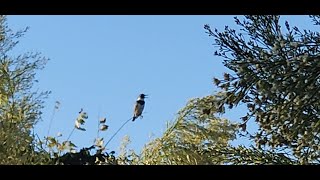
[[139, 106]]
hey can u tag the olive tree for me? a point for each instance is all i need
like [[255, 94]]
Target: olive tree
[[20, 105], [276, 75]]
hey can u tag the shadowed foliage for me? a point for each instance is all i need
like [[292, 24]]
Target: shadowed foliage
[[20, 105], [276, 74]]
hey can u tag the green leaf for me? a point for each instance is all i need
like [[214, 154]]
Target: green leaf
[[102, 120], [51, 145], [103, 127], [81, 129]]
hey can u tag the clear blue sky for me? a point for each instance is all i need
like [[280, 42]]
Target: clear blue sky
[[102, 63]]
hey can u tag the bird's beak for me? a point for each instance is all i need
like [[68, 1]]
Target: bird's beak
[[146, 96]]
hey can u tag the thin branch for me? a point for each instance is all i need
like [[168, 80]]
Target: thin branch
[[50, 123], [71, 133], [117, 132]]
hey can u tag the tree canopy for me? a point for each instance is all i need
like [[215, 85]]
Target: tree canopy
[[20, 105], [192, 134], [276, 75], [274, 71]]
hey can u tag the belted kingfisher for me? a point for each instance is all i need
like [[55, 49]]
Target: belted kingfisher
[[138, 107]]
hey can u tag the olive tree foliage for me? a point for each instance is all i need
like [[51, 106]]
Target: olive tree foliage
[[19, 105], [276, 74], [195, 130], [199, 137]]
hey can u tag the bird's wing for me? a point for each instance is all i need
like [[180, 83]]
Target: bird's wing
[[138, 109]]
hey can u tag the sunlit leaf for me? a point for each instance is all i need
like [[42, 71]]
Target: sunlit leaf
[[99, 142], [103, 127], [59, 134], [77, 124], [81, 129], [81, 121]]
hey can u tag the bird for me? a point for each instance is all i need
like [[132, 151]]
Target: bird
[[139, 106]]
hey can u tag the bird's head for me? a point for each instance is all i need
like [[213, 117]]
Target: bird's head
[[142, 96]]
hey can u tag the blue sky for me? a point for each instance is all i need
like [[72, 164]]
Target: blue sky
[[102, 63]]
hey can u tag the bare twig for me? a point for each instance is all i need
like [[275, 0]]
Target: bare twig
[[117, 132], [71, 133]]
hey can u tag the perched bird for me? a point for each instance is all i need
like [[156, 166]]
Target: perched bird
[[139, 106]]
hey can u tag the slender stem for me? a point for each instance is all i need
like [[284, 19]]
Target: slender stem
[[50, 123], [51, 119], [40, 143], [116, 132], [71, 133]]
